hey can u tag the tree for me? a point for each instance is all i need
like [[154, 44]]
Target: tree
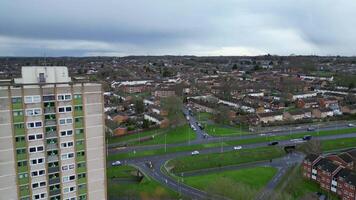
[[234, 67], [174, 106], [139, 106], [351, 85], [312, 146], [221, 116]]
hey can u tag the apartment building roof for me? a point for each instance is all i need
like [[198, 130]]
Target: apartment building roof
[[311, 157], [326, 165]]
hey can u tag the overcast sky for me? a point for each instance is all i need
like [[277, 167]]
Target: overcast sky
[[177, 27]]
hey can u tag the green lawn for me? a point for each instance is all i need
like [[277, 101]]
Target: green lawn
[[203, 161], [133, 188], [175, 135], [220, 130], [236, 184], [293, 186], [203, 116], [328, 145], [134, 136]]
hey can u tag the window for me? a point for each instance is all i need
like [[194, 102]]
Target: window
[[17, 113], [37, 136], [67, 144], [33, 112], [33, 99], [64, 97], [48, 98], [37, 161], [77, 96], [71, 198], [79, 142], [83, 175], [67, 167], [66, 133], [82, 164], [81, 153], [78, 108], [39, 184], [22, 163], [68, 178], [18, 126], [35, 149], [20, 139], [37, 124], [66, 156], [23, 175], [68, 189], [39, 196], [79, 131], [64, 109], [64, 121], [38, 173], [16, 100], [20, 151]]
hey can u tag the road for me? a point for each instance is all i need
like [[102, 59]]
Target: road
[[159, 160]]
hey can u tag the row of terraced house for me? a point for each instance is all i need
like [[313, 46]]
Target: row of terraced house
[[334, 173]]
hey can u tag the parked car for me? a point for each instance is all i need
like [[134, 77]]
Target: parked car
[[307, 137], [237, 147], [272, 143], [351, 125], [116, 163], [195, 153]]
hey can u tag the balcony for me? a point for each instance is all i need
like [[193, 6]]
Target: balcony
[[17, 106], [79, 136], [49, 110], [54, 181], [51, 134], [78, 101], [80, 158], [82, 180], [21, 144], [52, 146], [22, 156], [18, 119], [53, 170], [81, 170], [54, 192], [50, 122], [19, 131], [333, 183], [23, 181], [314, 177], [22, 169], [314, 171], [52, 158], [24, 193]]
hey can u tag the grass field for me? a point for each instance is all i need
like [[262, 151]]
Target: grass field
[[204, 161], [293, 186], [203, 116], [177, 135], [174, 135], [236, 184], [132, 187], [329, 145], [220, 130]]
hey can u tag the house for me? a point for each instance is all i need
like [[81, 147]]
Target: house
[[270, 117], [157, 119], [297, 114], [349, 109], [120, 131], [201, 105], [322, 113], [307, 103], [163, 93], [328, 102], [158, 110], [332, 173], [303, 95]]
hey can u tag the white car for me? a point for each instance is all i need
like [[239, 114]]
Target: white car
[[237, 147], [195, 153], [297, 140], [116, 163], [351, 125]]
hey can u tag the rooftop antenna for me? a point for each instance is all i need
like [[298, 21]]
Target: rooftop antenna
[[44, 59]]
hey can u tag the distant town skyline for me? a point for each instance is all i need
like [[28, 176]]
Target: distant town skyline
[[185, 27]]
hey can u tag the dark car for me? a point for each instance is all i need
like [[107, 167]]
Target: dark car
[[272, 143], [307, 137]]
